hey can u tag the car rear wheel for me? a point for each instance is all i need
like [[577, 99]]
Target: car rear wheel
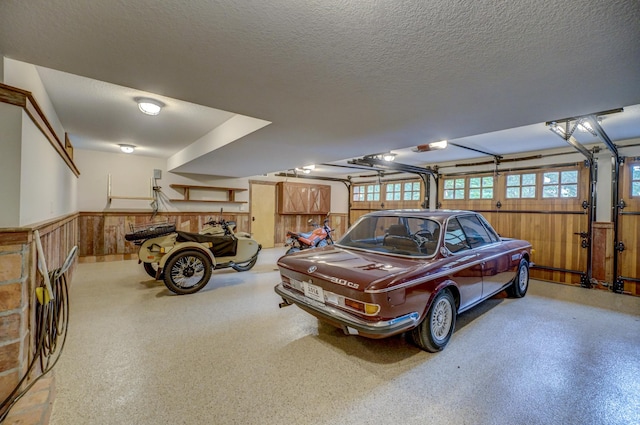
[[435, 330], [518, 288], [187, 272]]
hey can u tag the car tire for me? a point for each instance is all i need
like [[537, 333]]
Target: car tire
[[435, 330], [187, 272], [518, 288], [151, 232]]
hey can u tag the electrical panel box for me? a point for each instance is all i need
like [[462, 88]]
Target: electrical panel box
[[157, 174]]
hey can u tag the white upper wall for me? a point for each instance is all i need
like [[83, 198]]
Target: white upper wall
[[37, 184], [48, 187], [10, 140], [131, 176], [25, 76]]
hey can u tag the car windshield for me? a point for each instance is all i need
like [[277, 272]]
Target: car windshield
[[411, 236]]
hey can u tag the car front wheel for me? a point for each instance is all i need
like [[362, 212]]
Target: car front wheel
[[187, 272], [435, 330], [518, 288]]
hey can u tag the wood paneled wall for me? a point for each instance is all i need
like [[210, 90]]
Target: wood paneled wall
[[300, 223], [102, 233]]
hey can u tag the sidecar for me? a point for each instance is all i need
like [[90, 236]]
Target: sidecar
[[185, 261]]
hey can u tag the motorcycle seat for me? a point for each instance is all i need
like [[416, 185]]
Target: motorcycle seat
[[221, 246], [200, 238], [306, 235]]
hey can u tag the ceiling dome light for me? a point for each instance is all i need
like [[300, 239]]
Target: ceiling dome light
[[149, 106], [127, 148]]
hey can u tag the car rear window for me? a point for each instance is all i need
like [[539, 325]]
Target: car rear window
[[412, 236]]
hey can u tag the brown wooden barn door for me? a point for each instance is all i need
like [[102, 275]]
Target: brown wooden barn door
[[628, 246]]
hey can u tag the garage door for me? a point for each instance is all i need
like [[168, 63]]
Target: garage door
[[629, 227], [541, 205]]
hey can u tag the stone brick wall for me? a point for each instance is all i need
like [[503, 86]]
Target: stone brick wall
[[18, 279], [15, 282]]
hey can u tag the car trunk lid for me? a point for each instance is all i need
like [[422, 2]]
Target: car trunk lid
[[359, 270]]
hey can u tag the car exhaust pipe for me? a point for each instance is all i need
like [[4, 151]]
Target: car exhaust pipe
[[284, 303]]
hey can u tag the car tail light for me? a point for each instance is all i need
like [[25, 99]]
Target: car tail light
[[366, 308]]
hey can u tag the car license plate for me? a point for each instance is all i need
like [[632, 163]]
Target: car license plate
[[314, 292]]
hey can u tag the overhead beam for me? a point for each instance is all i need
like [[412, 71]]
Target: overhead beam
[[597, 114], [308, 176], [372, 162], [497, 158]]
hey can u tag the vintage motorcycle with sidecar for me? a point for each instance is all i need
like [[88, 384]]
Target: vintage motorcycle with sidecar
[[185, 261]]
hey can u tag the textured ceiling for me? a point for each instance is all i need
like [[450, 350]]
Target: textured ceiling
[[338, 79]]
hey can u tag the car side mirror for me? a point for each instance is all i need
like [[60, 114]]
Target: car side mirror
[[444, 251]]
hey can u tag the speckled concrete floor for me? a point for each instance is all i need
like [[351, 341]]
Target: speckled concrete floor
[[137, 354]]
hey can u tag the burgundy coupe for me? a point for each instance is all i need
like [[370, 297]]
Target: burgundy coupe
[[405, 270]]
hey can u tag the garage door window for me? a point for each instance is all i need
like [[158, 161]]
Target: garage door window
[[454, 188], [521, 186], [358, 193], [411, 191], [373, 192], [635, 181], [481, 187], [393, 192], [562, 184]]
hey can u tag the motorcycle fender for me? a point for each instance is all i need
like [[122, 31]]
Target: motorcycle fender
[[151, 251], [184, 246]]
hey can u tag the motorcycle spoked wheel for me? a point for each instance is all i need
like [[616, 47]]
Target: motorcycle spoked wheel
[[187, 272], [247, 265], [151, 269]]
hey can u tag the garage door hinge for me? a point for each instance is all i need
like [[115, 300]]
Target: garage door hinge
[[618, 285]]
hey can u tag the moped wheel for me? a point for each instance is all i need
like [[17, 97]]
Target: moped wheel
[[187, 272], [243, 267], [151, 269]]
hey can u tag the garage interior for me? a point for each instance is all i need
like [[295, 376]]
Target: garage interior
[[271, 115]]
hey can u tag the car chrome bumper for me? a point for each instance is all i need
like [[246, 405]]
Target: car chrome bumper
[[352, 325]]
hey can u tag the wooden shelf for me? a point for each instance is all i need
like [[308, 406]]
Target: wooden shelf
[[139, 198], [230, 191]]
